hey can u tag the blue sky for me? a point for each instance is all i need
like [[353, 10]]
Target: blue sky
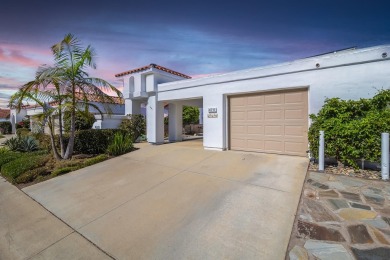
[[193, 37]]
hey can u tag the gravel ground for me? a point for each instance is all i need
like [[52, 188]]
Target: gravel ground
[[349, 171]]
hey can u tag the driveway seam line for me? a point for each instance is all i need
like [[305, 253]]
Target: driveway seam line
[[52, 244], [74, 230]]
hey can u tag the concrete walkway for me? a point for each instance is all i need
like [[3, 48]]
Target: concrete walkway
[[178, 201], [28, 231]]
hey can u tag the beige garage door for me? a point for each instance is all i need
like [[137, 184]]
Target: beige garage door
[[272, 122]]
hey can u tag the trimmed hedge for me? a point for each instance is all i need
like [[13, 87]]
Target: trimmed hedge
[[8, 157], [17, 167], [94, 141], [352, 128]]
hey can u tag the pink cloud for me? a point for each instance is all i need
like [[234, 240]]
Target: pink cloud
[[23, 55]]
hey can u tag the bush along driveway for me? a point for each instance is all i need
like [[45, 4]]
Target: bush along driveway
[[341, 217]]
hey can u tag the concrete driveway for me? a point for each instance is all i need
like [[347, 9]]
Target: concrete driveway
[[178, 201]]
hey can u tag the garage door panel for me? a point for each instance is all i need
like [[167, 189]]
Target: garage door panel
[[239, 143], [274, 145], [255, 129], [273, 114], [294, 98], [241, 115], [255, 101], [274, 130], [294, 114], [294, 130], [273, 122], [239, 129], [255, 115], [254, 144], [273, 99], [238, 101], [293, 147]]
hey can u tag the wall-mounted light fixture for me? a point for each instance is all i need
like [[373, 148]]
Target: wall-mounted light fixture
[[384, 55]]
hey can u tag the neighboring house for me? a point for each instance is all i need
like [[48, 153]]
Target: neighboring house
[[263, 109], [4, 115], [108, 119]]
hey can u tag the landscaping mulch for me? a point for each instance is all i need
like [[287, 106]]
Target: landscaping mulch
[[348, 171]]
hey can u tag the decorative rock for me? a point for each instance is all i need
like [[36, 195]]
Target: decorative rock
[[351, 196], [317, 232], [319, 185], [386, 232], [338, 204], [324, 250], [356, 214], [336, 185], [359, 206], [376, 253], [309, 193], [387, 220], [298, 253], [328, 193], [352, 182], [380, 237], [318, 212], [375, 199], [378, 223], [359, 235]]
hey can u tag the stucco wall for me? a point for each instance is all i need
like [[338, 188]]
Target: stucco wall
[[348, 75]]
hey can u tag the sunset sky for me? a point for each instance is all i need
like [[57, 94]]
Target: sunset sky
[[193, 37]]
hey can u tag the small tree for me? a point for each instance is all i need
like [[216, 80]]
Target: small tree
[[69, 77], [135, 125], [84, 120], [190, 115]]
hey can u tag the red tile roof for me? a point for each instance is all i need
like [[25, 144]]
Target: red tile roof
[[152, 65], [4, 113], [91, 98]]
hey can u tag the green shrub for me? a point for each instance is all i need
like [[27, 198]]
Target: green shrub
[[121, 144], [94, 141], [44, 141], [95, 160], [84, 121], [31, 175], [22, 132], [135, 125], [22, 144], [9, 156], [64, 170], [352, 128], [17, 167], [5, 127]]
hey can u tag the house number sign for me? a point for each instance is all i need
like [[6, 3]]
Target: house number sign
[[213, 112]]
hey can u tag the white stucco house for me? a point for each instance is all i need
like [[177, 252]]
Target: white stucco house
[[264, 109], [4, 115], [106, 119]]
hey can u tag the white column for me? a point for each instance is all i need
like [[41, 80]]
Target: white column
[[175, 122], [214, 127], [132, 107], [155, 121], [201, 115]]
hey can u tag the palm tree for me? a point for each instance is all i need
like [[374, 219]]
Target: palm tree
[[70, 78]]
